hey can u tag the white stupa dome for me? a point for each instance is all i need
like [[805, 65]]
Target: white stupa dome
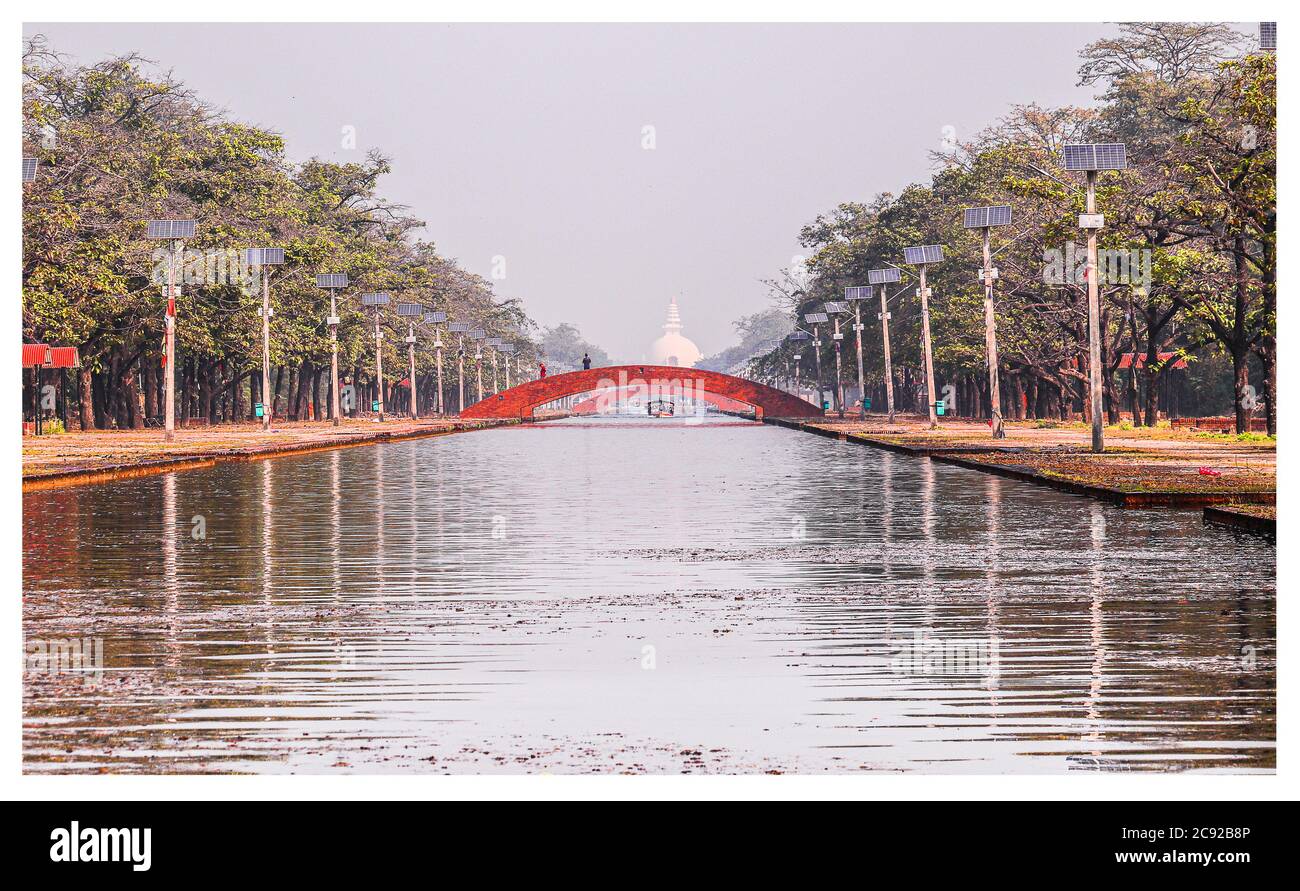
[[673, 348]]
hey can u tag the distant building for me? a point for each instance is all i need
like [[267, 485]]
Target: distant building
[[673, 348]]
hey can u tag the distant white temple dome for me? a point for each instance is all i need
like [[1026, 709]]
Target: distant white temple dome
[[673, 348]]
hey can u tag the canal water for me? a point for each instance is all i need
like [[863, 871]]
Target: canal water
[[629, 595]]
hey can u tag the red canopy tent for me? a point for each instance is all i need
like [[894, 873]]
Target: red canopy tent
[[41, 355]]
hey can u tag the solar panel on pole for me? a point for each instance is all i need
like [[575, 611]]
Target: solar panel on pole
[[378, 299], [493, 341], [799, 336], [29, 170], [816, 318], [834, 306], [264, 256], [333, 280], [410, 309], [477, 333], [435, 318], [458, 327], [168, 230], [507, 348], [1268, 35], [857, 293], [885, 276], [1094, 156], [923, 254]]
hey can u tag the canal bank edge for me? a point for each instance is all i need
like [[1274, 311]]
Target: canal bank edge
[[955, 456], [88, 475]]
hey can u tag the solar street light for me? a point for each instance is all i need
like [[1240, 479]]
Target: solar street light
[[881, 277], [836, 308], [412, 311], [856, 295], [378, 299], [460, 329], [1091, 157], [333, 282], [29, 170], [263, 258], [921, 257], [508, 350], [175, 232], [1268, 36], [984, 219], [435, 319], [817, 319]]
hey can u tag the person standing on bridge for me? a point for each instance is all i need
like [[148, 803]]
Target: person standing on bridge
[[541, 370], [586, 362]]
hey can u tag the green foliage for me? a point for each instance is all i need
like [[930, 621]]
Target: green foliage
[[128, 148]]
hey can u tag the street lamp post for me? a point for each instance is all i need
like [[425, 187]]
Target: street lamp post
[[984, 218], [797, 336], [174, 232], [477, 335], [856, 295], [263, 259], [922, 257], [411, 311], [836, 309], [459, 328], [508, 349], [377, 300], [332, 282], [495, 344], [882, 277], [435, 319], [816, 319], [1091, 157]]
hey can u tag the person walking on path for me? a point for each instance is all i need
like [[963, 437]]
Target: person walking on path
[[541, 369], [586, 362]]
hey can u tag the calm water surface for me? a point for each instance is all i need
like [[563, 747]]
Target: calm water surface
[[636, 595]]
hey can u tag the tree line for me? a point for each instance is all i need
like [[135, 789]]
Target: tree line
[[117, 147], [1188, 272]]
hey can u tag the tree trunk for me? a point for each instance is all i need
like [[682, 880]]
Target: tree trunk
[[85, 394]]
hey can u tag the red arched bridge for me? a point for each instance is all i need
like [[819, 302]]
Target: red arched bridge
[[655, 381]]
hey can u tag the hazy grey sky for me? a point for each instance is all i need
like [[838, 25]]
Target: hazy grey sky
[[525, 141]]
